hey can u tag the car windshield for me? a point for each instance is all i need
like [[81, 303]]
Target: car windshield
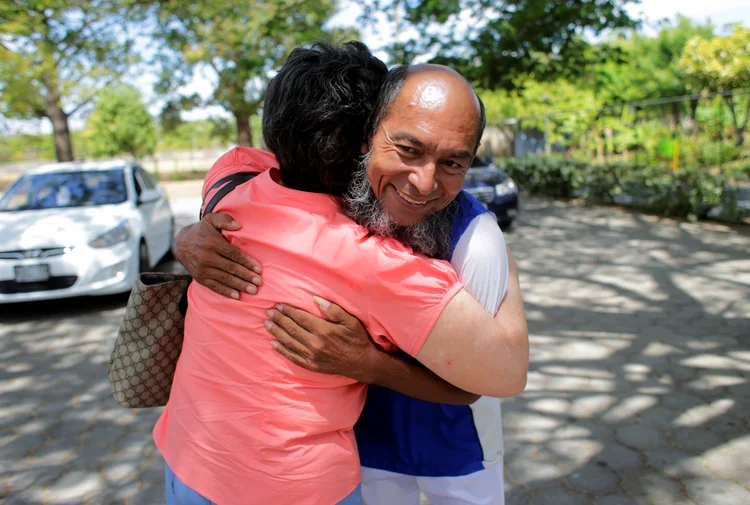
[[56, 190]]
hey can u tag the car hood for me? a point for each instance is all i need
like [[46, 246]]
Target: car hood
[[30, 229], [480, 176]]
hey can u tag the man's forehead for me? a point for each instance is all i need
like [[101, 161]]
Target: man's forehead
[[409, 134]]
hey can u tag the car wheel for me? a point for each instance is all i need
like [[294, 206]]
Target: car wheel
[[505, 224], [143, 261]]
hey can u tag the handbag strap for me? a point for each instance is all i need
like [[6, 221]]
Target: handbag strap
[[225, 185]]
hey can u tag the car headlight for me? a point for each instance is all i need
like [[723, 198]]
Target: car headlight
[[506, 187], [116, 235]]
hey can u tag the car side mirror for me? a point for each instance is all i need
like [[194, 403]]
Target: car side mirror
[[148, 196]]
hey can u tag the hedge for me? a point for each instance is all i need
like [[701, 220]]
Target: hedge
[[685, 192]]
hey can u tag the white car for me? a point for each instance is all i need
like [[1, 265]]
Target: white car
[[73, 229]]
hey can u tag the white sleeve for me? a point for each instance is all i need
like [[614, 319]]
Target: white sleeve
[[481, 261]]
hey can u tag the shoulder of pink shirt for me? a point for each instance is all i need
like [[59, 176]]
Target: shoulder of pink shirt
[[238, 160]]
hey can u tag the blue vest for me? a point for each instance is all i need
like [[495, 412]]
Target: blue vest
[[404, 435]]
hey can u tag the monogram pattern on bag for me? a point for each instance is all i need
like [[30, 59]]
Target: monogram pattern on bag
[[149, 341]]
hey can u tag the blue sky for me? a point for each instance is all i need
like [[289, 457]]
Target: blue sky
[[720, 12]]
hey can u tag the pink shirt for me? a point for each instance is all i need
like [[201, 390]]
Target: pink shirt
[[245, 426]]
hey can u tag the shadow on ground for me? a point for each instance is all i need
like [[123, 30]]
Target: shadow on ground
[[638, 391], [640, 360]]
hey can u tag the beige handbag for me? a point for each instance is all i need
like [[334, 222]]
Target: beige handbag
[[149, 342], [142, 364]]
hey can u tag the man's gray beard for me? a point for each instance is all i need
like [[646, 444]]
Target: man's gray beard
[[431, 236]]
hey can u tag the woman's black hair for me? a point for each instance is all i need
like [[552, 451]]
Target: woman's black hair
[[315, 114]]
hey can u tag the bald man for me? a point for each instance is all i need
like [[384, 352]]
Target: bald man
[[422, 137]]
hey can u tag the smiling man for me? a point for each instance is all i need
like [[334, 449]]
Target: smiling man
[[424, 133]]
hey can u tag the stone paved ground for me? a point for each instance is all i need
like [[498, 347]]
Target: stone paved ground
[[639, 390], [640, 359]]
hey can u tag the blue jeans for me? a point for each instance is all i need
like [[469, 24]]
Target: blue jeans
[[178, 493]]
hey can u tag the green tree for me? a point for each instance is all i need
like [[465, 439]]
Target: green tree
[[56, 54], [648, 67], [505, 39], [120, 123], [240, 43], [722, 64]]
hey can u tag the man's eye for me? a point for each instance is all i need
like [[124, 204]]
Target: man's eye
[[407, 149], [453, 165]]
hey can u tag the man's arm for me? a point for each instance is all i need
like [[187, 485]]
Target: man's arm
[[477, 352], [213, 261], [341, 345]]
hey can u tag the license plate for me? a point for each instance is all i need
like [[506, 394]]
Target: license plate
[[32, 273]]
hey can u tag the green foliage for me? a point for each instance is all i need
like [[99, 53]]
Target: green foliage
[[509, 38], [648, 67], [120, 123], [24, 146], [538, 105], [56, 54], [721, 63], [241, 43], [685, 193], [202, 134]]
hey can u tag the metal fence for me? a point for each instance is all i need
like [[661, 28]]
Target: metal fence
[[160, 162], [705, 130]]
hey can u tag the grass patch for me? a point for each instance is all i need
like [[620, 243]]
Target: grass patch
[[6, 180], [182, 175]]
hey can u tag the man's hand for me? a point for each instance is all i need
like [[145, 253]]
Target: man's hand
[[342, 346], [338, 346], [215, 263]]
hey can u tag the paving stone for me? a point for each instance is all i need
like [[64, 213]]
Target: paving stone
[[149, 495], [716, 492], [101, 435], [556, 496], [68, 430], [516, 495], [35, 476], [134, 442], [616, 499], [641, 437], [647, 485], [21, 446], [153, 470], [74, 484], [24, 497], [592, 405], [528, 471], [593, 479], [676, 463], [571, 452], [695, 440], [658, 417], [55, 452], [682, 401], [730, 462]]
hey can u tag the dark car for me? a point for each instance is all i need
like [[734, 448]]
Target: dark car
[[494, 188]]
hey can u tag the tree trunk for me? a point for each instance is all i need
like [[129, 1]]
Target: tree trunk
[[694, 115], [676, 116], [55, 113], [738, 130], [244, 133]]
